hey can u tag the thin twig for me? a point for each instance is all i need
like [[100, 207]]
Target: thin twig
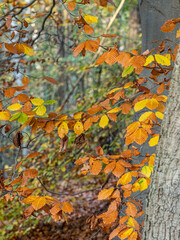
[[66, 194]]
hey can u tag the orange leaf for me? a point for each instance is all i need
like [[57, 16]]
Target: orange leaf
[[96, 167], [9, 92], [78, 128], [78, 49], [33, 155], [39, 203], [67, 207], [152, 104], [131, 209], [126, 108], [25, 80], [30, 199], [168, 26], [118, 170], [105, 193], [71, 6], [31, 173], [140, 136], [110, 167], [88, 29], [55, 209], [114, 232], [91, 46]]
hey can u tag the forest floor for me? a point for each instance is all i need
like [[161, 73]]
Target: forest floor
[[86, 206]]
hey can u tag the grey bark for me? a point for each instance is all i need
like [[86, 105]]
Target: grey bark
[[162, 220], [153, 14]]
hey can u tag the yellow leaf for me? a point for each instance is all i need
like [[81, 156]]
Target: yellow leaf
[[28, 50], [37, 101], [29, 199], [133, 236], [77, 115], [127, 85], [136, 187], [63, 130], [67, 207], [125, 179], [114, 90], [178, 33], [41, 110], [162, 60], [132, 223], [154, 141], [105, 193], [78, 128], [90, 19], [126, 233], [39, 203], [143, 184], [14, 107], [145, 116], [159, 115], [140, 105], [146, 170], [115, 110], [104, 121], [149, 60], [4, 116]]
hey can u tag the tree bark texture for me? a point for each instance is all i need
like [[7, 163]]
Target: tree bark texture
[[162, 220], [153, 14]]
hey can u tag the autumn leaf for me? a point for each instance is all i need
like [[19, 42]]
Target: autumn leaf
[[37, 101], [126, 233], [90, 19], [39, 203], [51, 80], [67, 207], [105, 193], [154, 141], [104, 121], [125, 179], [4, 116], [33, 155], [63, 130], [31, 173], [127, 71], [96, 167], [140, 105], [14, 107], [146, 170], [78, 128], [41, 110], [55, 209], [71, 6], [28, 50], [131, 209]]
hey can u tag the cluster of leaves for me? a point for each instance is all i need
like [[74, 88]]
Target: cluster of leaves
[[31, 112]]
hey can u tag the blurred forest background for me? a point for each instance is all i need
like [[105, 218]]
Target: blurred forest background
[[80, 85]]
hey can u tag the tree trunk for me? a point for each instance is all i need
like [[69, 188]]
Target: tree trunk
[[162, 220]]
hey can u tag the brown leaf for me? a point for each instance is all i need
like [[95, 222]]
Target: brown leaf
[[51, 80]]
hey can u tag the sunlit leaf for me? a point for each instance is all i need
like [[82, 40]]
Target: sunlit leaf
[[90, 19], [4, 116], [37, 101], [154, 141]]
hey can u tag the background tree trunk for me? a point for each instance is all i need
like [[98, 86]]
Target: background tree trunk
[[162, 212], [153, 14]]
